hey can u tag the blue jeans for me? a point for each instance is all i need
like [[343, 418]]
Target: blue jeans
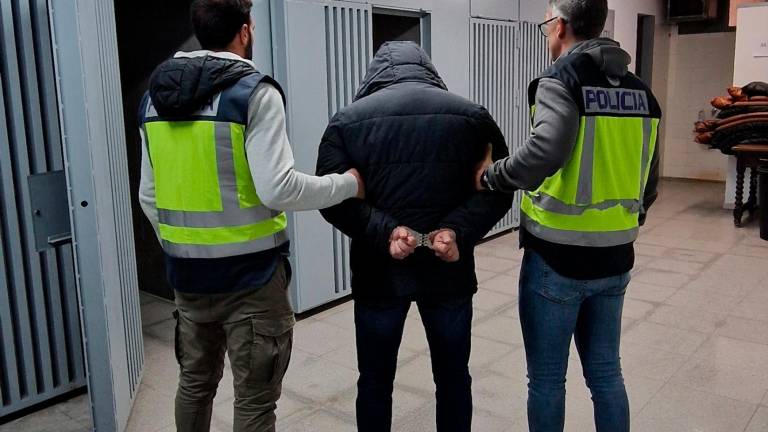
[[552, 310], [379, 330]]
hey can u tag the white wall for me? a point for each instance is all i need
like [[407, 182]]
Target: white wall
[[750, 31], [700, 68], [625, 30]]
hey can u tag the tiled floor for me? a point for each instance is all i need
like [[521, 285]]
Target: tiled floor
[[695, 344]]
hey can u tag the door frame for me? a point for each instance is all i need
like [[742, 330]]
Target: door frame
[[92, 125]]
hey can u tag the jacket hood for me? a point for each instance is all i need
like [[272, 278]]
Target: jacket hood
[[608, 55], [398, 62], [183, 85]]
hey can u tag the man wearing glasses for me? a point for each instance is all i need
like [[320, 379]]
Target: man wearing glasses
[[589, 171]]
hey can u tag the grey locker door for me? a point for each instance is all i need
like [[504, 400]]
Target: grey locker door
[[321, 51], [41, 353], [85, 50], [492, 84]]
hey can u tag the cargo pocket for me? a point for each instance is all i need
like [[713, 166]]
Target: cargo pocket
[[270, 354]]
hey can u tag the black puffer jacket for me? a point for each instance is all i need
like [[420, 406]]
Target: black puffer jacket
[[417, 146]]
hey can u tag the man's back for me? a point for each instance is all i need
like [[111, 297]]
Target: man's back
[[417, 146]]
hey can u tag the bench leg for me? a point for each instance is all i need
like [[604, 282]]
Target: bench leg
[[738, 210]]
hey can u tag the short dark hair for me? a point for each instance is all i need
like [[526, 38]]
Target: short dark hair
[[216, 22], [586, 17]]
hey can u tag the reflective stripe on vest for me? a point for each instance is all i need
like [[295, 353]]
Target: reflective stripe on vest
[[206, 200], [596, 198]]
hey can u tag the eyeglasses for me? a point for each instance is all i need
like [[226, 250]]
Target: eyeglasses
[[543, 26]]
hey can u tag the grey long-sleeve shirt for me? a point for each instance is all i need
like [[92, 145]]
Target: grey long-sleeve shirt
[[555, 130], [270, 157]]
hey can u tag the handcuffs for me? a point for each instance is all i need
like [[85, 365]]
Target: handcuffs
[[422, 240]]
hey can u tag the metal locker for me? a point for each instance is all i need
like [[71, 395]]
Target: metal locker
[[41, 354], [492, 84], [505, 57], [321, 53]]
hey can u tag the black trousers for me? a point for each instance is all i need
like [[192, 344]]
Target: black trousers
[[379, 330]]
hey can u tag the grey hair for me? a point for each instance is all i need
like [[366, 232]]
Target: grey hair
[[586, 17]]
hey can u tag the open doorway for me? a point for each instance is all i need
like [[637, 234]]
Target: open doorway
[[646, 26], [144, 41], [399, 25]]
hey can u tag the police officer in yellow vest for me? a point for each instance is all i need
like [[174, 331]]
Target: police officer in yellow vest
[[588, 173], [217, 175]]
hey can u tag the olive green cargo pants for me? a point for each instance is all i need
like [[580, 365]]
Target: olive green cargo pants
[[255, 328]]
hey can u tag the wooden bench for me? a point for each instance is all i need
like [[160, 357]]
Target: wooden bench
[[747, 156]]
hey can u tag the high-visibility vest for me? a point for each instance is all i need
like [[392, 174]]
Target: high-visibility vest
[[596, 198], [206, 199]]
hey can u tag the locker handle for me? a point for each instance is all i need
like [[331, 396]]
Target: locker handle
[[59, 240]]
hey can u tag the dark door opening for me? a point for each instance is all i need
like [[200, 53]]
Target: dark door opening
[[394, 25], [144, 41], [646, 26]]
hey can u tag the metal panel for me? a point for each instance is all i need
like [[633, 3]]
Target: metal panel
[[95, 153], [505, 58], [349, 51], [336, 36], [40, 341], [492, 75]]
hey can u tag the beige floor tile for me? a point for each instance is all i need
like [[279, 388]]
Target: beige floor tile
[[318, 337], [640, 391], [687, 318], [658, 240], [77, 408], [504, 284], [161, 369], [736, 383], [665, 338], [737, 353], [503, 397], [676, 266], [752, 308], [344, 318], [704, 300], [500, 329], [765, 400], [416, 375], [424, 421], [647, 362], [745, 329], [759, 422], [637, 309], [677, 408], [345, 356], [661, 278], [486, 351], [649, 292], [500, 251], [487, 300], [317, 379], [494, 264], [511, 365], [151, 412], [47, 420], [414, 336], [692, 256], [404, 404], [321, 421], [650, 250], [483, 275], [750, 251]]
